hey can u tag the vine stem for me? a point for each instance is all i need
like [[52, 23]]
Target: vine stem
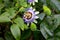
[[14, 16], [16, 13]]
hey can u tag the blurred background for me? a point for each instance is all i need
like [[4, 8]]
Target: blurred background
[[13, 27]]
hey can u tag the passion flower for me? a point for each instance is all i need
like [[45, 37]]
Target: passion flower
[[30, 15], [32, 1]]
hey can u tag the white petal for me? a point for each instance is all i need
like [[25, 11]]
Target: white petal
[[33, 9], [36, 17], [27, 24], [36, 0], [35, 21], [37, 12], [33, 3]]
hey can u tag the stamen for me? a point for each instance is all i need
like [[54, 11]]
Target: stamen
[[28, 15]]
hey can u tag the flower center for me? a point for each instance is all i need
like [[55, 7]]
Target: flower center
[[28, 15]]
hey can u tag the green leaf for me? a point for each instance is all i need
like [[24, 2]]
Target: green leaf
[[50, 22], [56, 21], [33, 27], [15, 31], [45, 31], [11, 12], [1, 5], [0, 1], [5, 14], [23, 3], [57, 17], [41, 16], [4, 19], [56, 34], [8, 36], [20, 3], [55, 4], [19, 21]]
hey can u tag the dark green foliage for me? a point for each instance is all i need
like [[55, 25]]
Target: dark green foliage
[[13, 27]]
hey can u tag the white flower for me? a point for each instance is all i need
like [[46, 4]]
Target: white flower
[[32, 1], [30, 15]]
